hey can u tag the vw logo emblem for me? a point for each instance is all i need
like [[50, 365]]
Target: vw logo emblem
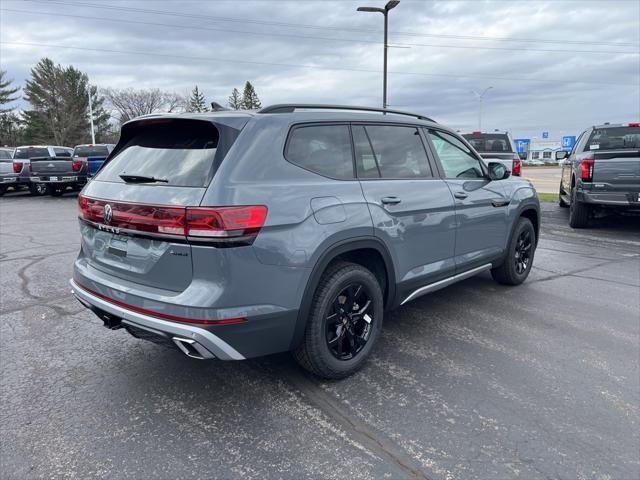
[[108, 213]]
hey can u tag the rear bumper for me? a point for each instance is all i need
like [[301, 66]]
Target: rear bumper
[[58, 179], [612, 199], [8, 179], [203, 341]]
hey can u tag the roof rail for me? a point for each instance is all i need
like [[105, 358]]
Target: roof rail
[[291, 107]]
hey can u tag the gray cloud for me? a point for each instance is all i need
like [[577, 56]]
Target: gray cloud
[[574, 89]]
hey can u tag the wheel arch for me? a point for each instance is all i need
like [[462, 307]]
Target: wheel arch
[[357, 251]]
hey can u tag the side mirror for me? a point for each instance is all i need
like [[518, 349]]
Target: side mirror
[[498, 171], [561, 155]]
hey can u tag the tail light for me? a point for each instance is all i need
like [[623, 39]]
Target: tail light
[[586, 169], [238, 225], [17, 167], [516, 166], [633, 125], [77, 165]]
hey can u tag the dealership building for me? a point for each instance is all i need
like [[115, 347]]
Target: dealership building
[[543, 149]]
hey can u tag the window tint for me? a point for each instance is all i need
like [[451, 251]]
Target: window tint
[[323, 149], [181, 152], [62, 152], [31, 152], [455, 157], [91, 151], [390, 152], [489, 142], [613, 138]]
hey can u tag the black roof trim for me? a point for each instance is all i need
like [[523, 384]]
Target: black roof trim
[[292, 107]]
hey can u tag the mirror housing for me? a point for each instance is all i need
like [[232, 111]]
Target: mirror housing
[[561, 155], [498, 171]]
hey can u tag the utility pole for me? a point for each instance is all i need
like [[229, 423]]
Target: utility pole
[[93, 135], [480, 98], [384, 11]]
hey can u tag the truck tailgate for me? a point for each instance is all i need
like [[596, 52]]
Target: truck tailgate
[[617, 170], [51, 166]]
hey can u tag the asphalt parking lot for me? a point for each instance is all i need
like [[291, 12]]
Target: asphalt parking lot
[[475, 381]]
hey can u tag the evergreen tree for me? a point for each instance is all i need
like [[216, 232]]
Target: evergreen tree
[[59, 99], [197, 102], [235, 100], [6, 92], [250, 98]]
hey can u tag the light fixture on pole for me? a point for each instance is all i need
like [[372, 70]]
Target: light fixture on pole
[[480, 98], [384, 11], [93, 135]]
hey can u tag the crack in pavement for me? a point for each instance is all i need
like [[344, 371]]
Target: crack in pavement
[[581, 270]]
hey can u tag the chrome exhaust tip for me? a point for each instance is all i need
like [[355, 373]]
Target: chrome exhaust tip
[[191, 348]]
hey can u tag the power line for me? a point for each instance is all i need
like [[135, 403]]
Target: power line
[[322, 27], [317, 67], [292, 35]]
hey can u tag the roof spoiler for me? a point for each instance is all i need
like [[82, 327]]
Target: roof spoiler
[[292, 107]]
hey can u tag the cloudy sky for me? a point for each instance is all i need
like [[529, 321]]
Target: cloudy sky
[[554, 65]]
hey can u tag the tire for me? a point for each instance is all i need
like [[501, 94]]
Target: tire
[[579, 212], [561, 202], [332, 345], [518, 259], [38, 189]]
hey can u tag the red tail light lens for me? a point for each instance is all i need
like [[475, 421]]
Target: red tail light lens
[[634, 125], [586, 169], [516, 167], [77, 165], [17, 167], [195, 223]]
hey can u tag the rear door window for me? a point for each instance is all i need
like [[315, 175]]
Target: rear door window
[[389, 151], [322, 149], [85, 151], [180, 152], [455, 157]]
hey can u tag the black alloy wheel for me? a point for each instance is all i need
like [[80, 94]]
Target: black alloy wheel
[[522, 256], [349, 322]]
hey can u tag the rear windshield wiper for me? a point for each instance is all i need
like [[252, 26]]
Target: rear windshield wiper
[[142, 179]]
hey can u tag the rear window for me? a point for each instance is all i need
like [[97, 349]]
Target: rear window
[[30, 152], [180, 152], [91, 151], [322, 149], [613, 138], [489, 142]]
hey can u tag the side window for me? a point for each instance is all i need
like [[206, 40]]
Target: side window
[[384, 151], [61, 152], [455, 157], [323, 149]]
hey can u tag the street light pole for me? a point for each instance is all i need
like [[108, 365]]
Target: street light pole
[[384, 11], [480, 97], [93, 135]]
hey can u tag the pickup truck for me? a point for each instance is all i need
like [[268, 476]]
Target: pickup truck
[[601, 172], [94, 155], [22, 166], [7, 176], [496, 147], [58, 173]]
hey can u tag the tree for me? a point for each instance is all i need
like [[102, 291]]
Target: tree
[[235, 100], [250, 98], [197, 102], [11, 129], [129, 103], [59, 99], [6, 92]]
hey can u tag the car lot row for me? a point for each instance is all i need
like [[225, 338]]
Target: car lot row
[[50, 169]]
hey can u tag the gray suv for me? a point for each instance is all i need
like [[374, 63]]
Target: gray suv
[[232, 235]]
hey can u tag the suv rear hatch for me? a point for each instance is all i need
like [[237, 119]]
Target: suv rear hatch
[[613, 158], [133, 213]]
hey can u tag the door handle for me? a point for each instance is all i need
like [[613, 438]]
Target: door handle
[[460, 195], [390, 200]]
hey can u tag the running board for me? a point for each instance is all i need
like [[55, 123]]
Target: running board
[[432, 287]]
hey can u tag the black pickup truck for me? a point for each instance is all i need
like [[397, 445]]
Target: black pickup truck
[[601, 172], [59, 173]]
